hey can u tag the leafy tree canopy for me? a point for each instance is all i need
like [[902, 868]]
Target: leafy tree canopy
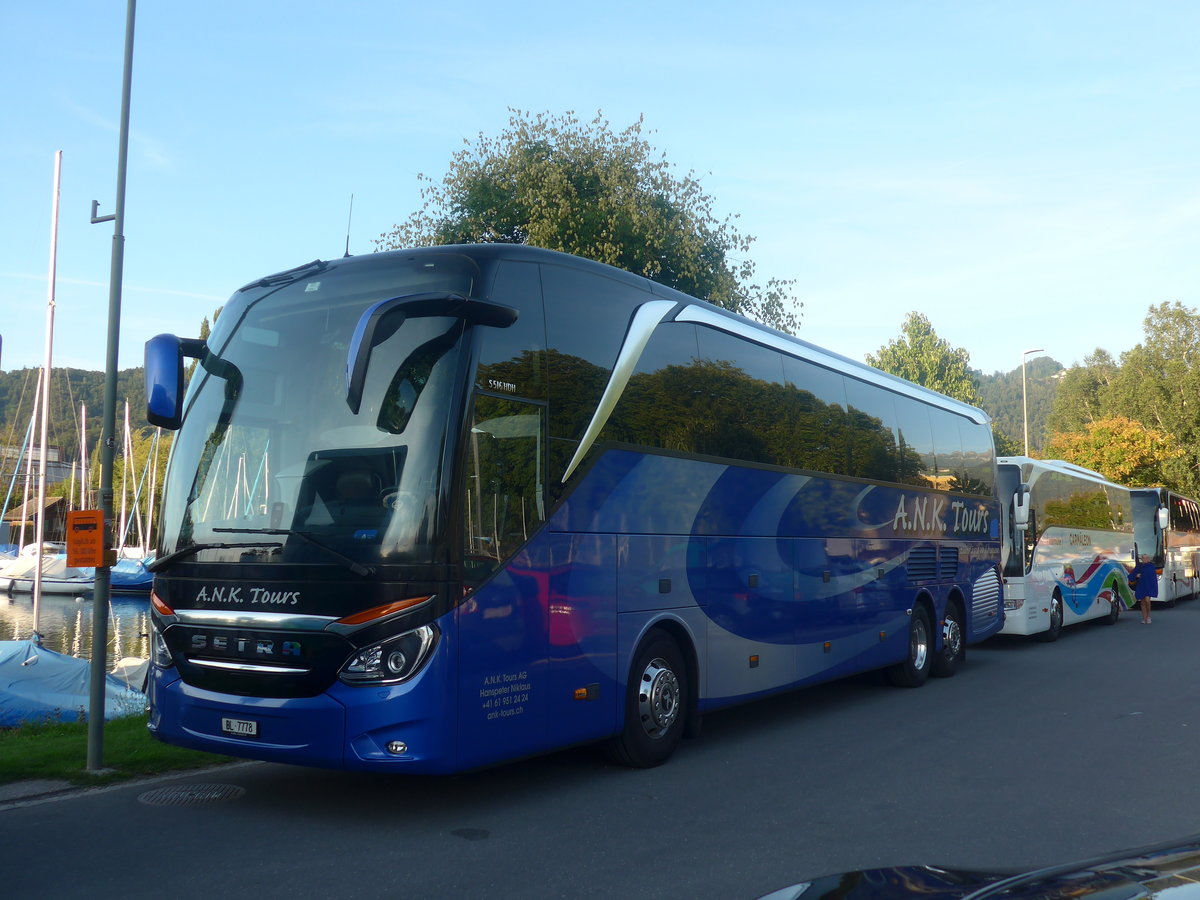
[[928, 360], [584, 188], [1155, 384], [1119, 448]]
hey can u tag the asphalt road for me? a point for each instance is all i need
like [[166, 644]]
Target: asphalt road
[[1032, 754]]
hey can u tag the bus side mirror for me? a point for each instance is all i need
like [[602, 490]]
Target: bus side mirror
[[164, 378], [1021, 508], [1164, 518]]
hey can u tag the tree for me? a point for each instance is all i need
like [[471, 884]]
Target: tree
[[1082, 395], [928, 360], [583, 188], [1155, 384], [1006, 397], [1120, 449]]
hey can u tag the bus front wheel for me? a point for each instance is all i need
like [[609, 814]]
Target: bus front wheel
[[1056, 620], [914, 670], [656, 704]]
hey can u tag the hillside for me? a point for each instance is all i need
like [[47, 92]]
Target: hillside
[[1000, 394], [69, 388]]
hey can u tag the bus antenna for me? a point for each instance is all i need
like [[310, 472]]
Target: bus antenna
[[348, 220]]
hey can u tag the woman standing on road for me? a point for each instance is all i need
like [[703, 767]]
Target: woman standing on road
[[1144, 581]]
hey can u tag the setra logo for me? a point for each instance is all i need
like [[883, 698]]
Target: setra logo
[[245, 646]]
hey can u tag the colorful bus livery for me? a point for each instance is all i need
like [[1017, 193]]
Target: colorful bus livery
[[504, 500], [1070, 561]]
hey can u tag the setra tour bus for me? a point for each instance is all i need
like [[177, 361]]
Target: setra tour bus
[[1069, 546], [431, 510], [1167, 527]]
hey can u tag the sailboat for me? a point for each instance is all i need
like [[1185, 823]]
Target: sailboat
[[37, 683]]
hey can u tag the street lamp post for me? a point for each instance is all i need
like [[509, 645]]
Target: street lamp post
[[1024, 395]]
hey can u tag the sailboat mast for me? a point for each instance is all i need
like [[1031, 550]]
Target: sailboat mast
[[83, 504], [41, 519]]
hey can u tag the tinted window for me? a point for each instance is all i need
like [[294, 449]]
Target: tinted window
[[826, 386], [667, 402], [871, 420], [741, 397], [978, 463], [512, 359], [947, 449], [587, 316], [917, 464]]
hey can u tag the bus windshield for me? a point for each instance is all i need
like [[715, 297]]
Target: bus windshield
[[273, 465]]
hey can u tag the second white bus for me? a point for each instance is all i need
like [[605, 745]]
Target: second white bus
[[1070, 543]]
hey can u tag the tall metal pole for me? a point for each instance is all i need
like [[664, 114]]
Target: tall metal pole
[[40, 530], [103, 589], [1024, 398]]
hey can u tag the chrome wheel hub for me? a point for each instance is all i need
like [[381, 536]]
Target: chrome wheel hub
[[918, 647], [951, 638], [658, 698]]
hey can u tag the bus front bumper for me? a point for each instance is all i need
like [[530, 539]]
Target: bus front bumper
[[380, 728]]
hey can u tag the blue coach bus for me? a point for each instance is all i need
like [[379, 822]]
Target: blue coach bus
[[431, 510]]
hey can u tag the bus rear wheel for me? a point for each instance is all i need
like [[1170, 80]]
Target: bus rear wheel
[[656, 704], [954, 645], [915, 670]]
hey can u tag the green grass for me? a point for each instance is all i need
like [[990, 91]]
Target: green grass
[[58, 750]]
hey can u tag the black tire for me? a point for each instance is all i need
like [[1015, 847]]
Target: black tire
[[656, 704], [1050, 635], [954, 644], [1114, 612], [915, 670]]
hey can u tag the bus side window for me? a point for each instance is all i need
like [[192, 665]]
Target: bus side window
[[512, 360]]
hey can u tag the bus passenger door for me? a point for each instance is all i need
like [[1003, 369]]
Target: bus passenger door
[[503, 624]]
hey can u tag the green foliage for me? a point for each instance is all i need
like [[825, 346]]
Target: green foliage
[[69, 388], [1002, 396], [1120, 449], [1005, 445], [1081, 396], [926, 359], [584, 188], [1155, 385]]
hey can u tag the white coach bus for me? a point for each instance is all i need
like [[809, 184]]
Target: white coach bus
[[1069, 545]]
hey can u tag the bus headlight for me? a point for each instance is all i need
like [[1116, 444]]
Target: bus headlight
[[160, 653], [392, 661]]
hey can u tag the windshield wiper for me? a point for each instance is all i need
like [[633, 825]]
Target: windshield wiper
[[356, 567], [163, 561], [287, 275]]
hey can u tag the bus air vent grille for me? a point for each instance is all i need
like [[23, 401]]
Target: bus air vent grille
[[948, 563], [922, 563], [985, 598]]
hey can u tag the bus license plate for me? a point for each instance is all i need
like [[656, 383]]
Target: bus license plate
[[240, 727]]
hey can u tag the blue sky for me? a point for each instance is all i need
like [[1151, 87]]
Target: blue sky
[[1025, 174]]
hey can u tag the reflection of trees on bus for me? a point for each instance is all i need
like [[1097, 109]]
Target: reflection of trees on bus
[[679, 402], [1083, 510]]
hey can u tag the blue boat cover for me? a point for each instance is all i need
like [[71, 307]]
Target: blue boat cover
[[37, 684]]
